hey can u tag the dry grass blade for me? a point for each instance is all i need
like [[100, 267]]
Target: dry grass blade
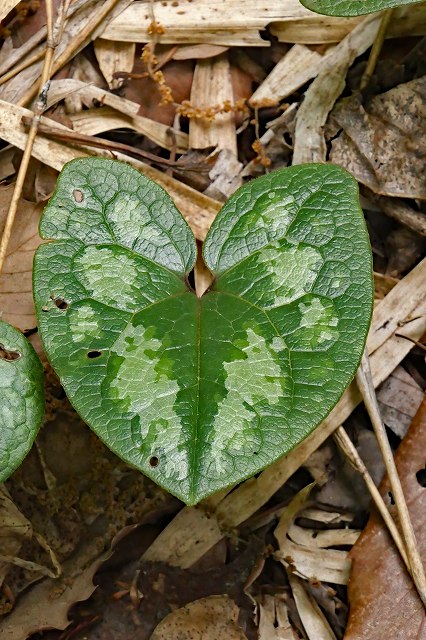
[[348, 449], [365, 384], [39, 108], [376, 48]]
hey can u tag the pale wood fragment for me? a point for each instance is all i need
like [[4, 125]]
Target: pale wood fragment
[[114, 57], [313, 619], [6, 7], [234, 22], [318, 29], [60, 89], [295, 68], [212, 86]]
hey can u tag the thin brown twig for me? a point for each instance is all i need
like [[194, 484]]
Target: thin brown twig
[[38, 110], [348, 449], [376, 48], [110, 145], [366, 387]]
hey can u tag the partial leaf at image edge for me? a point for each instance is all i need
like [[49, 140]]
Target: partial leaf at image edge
[[22, 398], [202, 393], [346, 8]]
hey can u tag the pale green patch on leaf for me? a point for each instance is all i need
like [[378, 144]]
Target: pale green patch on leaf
[[353, 7], [202, 393], [22, 398]]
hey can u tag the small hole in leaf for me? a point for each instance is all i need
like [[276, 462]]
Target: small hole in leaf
[[6, 354], [60, 303], [94, 354], [390, 494], [153, 461], [421, 477], [78, 195]]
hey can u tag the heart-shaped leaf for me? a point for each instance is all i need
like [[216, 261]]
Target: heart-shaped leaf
[[202, 393], [21, 398], [353, 7]]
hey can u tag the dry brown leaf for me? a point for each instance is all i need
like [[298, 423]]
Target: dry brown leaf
[[16, 298], [47, 604], [384, 145], [14, 530], [399, 399], [309, 143], [114, 57], [384, 603], [212, 618]]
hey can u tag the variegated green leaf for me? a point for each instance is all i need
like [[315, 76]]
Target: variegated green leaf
[[21, 398], [353, 7], [202, 393]]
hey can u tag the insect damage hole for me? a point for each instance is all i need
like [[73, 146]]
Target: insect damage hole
[[8, 354], [78, 195], [94, 354], [60, 302], [154, 461], [421, 477]]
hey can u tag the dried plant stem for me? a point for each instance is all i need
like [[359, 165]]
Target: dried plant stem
[[39, 107], [366, 387], [348, 449], [376, 48], [27, 62], [74, 46]]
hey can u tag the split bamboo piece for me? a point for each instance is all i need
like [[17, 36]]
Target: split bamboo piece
[[212, 85]]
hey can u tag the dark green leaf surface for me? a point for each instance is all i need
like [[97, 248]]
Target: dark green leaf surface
[[22, 398], [353, 7], [202, 393]]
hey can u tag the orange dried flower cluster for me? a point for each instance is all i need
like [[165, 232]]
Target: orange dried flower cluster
[[187, 110], [164, 89], [261, 157], [155, 28]]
